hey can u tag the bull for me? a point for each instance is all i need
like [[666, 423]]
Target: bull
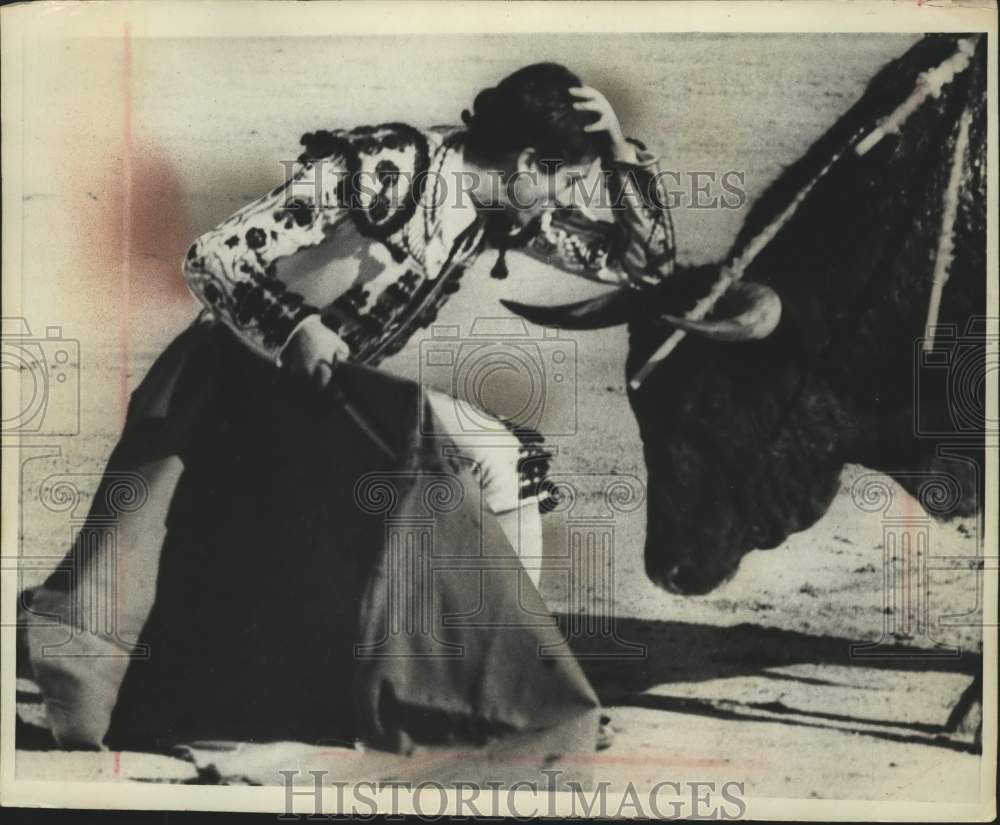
[[803, 352]]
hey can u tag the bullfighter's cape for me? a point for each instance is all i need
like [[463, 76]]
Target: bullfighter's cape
[[276, 576]]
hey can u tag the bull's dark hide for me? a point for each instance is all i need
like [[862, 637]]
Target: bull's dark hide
[[745, 442]]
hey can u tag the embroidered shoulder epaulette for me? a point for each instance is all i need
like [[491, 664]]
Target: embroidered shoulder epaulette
[[386, 169]]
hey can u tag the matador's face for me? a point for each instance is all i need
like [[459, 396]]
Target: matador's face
[[537, 186]]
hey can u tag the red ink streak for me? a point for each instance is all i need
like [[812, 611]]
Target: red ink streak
[[116, 769], [126, 251]]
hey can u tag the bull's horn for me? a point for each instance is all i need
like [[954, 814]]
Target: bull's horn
[[758, 312], [606, 310]]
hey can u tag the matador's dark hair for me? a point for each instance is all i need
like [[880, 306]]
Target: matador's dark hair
[[532, 107]]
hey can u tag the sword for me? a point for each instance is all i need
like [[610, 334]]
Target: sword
[[360, 418]]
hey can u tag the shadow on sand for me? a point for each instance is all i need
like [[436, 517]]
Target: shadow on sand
[[641, 654]]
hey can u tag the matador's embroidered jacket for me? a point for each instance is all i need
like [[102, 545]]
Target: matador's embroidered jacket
[[382, 240]]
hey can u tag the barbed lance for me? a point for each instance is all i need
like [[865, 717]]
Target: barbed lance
[[928, 84]]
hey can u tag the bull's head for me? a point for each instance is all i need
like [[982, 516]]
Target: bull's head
[[810, 363], [741, 447], [689, 412]]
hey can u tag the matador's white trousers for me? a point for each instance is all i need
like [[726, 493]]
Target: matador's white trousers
[[494, 452]]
